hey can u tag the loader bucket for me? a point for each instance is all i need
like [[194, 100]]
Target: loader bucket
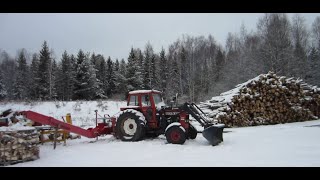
[[214, 134]]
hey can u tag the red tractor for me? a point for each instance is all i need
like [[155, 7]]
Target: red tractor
[[146, 115]]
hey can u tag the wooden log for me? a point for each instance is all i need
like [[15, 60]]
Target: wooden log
[[18, 146]]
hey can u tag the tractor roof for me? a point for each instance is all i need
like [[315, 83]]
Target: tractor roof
[[144, 91]]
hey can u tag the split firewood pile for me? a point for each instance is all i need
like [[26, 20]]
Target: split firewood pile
[[266, 99], [18, 146]]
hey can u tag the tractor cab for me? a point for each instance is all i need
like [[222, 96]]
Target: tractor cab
[[145, 98], [146, 101]]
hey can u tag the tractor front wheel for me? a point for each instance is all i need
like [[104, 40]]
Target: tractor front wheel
[[129, 127], [175, 135]]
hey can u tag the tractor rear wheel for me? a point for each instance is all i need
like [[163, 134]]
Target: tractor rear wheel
[[175, 135], [192, 132], [129, 127]]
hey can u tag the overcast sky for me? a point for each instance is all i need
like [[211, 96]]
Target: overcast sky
[[114, 34]]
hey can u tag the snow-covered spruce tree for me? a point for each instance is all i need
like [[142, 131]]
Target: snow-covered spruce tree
[[95, 84], [95, 60], [134, 81], [313, 76], [34, 79], [313, 73], [154, 72], [102, 75], [99, 65], [148, 54], [174, 80], [67, 77], [73, 61], [59, 83], [120, 78], [110, 77], [3, 91], [44, 73], [82, 77], [53, 79], [87, 85], [140, 61], [116, 66], [163, 71], [21, 81], [9, 72]]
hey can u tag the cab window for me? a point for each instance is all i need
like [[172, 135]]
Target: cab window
[[145, 100], [133, 100]]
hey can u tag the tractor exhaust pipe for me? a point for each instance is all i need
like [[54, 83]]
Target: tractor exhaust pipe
[[213, 134]]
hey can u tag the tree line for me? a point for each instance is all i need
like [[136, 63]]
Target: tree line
[[196, 68]]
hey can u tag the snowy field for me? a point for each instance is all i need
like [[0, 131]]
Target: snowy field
[[295, 144]]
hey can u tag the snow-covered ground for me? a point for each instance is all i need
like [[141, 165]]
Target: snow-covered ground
[[295, 144]]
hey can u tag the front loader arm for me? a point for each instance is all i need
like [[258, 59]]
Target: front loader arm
[[212, 132], [197, 114]]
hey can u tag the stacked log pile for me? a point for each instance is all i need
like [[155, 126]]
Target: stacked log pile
[[266, 99], [18, 146]]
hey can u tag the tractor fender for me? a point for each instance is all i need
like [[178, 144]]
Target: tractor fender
[[138, 113], [175, 124]]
